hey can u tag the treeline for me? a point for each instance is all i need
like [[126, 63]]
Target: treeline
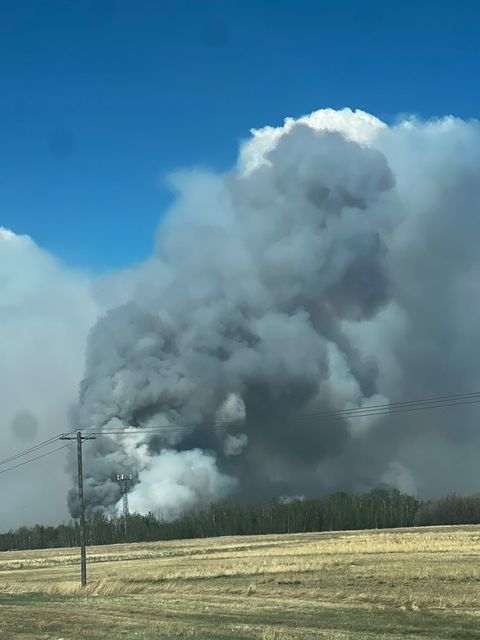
[[449, 510], [377, 509]]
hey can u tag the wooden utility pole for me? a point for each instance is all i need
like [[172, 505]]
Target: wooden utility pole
[[81, 503]]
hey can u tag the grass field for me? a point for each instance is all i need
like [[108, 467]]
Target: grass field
[[411, 583]]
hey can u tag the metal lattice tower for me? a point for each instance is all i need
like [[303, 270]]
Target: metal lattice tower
[[124, 479]]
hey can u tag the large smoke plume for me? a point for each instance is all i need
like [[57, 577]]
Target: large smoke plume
[[336, 266]]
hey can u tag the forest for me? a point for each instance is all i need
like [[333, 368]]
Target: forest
[[377, 509]]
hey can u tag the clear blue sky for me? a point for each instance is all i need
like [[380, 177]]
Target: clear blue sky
[[99, 99]]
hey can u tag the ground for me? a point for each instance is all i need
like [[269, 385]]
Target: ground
[[404, 583]]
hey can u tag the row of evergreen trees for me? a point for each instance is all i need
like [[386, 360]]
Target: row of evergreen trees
[[377, 509]]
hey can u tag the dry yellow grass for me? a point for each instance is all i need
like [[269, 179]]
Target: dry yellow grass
[[412, 583]]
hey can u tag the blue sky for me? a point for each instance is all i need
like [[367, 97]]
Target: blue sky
[[100, 99]]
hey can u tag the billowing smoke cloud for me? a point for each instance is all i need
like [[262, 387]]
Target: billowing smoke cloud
[[177, 482], [336, 266], [46, 311]]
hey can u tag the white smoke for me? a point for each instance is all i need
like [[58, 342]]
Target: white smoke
[[399, 477], [46, 311], [235, 444], [177, 481], [358, 127]]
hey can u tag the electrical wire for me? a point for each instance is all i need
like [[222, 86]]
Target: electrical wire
[[43, 455], [393, 408], [40, 445], [438, 402], [27, 451]]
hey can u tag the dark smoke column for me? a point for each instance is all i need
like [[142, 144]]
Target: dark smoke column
[[235, 328]]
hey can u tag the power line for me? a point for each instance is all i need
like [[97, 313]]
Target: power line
[[438, 402], [310, 417], [27, 451], [44, 455], [134, 430], [452, 400], [40, 445], [372, 411], [392, 408]]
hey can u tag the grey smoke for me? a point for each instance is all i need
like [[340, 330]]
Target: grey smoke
[[234, 329], [335, 266], [325, 271]]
